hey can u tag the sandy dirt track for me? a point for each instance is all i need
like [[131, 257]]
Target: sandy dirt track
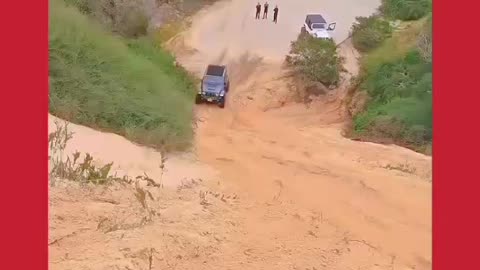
[[279, 187], [294, 154]]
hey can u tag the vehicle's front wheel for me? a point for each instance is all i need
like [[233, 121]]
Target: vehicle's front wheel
[[221, 103], [198, 99]]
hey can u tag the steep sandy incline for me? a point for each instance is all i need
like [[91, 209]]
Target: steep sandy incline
[[266, 219], [120, 226], [279, 187], [293, 156]]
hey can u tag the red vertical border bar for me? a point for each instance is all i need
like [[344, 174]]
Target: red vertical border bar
[[456, 181], [23, 135]]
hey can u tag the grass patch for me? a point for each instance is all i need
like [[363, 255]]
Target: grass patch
[[410, 76], [395, 47], [130, 87], [127, 18], [406, 10]]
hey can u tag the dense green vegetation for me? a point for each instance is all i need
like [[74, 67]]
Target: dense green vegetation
[[401, 101], [317, 59], [397, 75], [369, 32], [127, 18], [114, 83], [406, 10], [396, 72]]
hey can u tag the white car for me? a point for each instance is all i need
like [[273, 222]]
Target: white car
[[316, 26]]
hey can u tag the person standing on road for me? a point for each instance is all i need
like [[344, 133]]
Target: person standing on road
[[265, 10], [275, 14], [259, 8]]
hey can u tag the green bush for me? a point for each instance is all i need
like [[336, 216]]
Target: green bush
[[406, 10], [408, 120], [400, 79], [128, 87], [369, 32], [315, 58], [401, 101]]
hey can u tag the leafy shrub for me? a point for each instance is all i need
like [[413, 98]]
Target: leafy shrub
[[406, 10], [401, 105], [315, 58], [369, 32], [403, 78]]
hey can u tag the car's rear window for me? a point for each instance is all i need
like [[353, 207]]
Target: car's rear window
[[318, 26]]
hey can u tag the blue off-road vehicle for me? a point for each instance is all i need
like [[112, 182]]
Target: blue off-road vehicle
[[215, 86]]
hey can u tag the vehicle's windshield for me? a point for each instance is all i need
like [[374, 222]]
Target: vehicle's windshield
[[212, 79], [318, 26]]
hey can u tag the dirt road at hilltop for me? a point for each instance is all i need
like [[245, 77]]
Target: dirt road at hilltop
[[228, 28], [287, 156]]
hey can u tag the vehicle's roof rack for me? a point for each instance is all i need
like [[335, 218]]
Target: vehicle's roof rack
[[215, 70]]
